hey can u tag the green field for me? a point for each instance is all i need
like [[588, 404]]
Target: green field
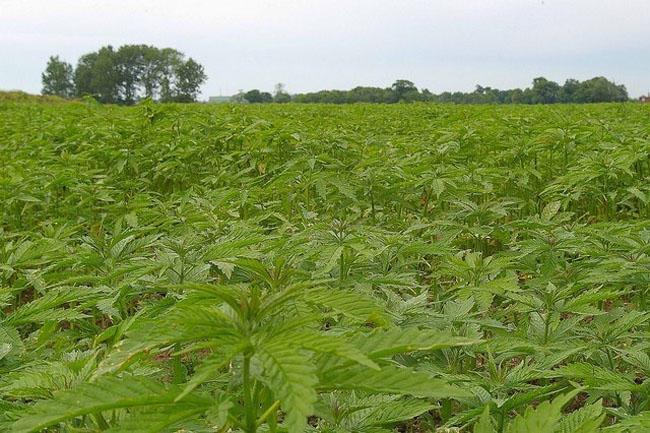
[[363, 269]]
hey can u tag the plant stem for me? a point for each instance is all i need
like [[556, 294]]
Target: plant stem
[[249, 409], [268, 412]]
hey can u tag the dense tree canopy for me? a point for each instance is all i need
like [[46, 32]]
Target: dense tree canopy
[[543, 91], [256, 97], [57, 78], [126, 75]]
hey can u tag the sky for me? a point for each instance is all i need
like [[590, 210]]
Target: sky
[[339, 44]]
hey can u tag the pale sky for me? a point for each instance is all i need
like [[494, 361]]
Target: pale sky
[[339, 44]]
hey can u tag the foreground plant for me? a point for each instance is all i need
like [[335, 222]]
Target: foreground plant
[[262, 355]]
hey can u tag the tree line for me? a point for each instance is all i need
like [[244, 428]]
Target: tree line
[[126, 75], [542, 91], [133, 72]]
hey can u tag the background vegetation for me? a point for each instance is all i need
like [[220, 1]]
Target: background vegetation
[[134, 72], [542, 91], [126, 75]]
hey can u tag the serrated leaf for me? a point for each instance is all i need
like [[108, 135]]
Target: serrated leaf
[[392, 380], [291, 377], [106, 394]]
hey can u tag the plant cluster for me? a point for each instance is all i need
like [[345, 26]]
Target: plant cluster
[[294, 268]]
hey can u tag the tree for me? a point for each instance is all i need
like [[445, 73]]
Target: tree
[[427, 95], [254, 96], [403, 90], [83, 74], [280, 95], [189, 77], [106, 76], [97, 75], [517, 96], [130, 64], [545, 91], [58, 78], [600, 89], [369, 94], [125, 75], [169, 60], [568, 91]]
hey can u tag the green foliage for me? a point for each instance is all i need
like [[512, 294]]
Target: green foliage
[[256, 97], [543, 91], [126, 75], [417, 268], [57, 78]]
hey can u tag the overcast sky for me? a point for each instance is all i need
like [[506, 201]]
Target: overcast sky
[[316, 44]]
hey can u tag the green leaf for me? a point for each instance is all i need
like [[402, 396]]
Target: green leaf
[[52, 306], [542, 419], [596, 377], [156, 419], [107, 393], [384, 343], [331, 344], [550, 210], [584, 420], [291, 377], [484, 424], [396, 411], [390, 379], [353, 304]]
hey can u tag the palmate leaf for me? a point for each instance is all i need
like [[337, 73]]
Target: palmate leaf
[[518, 400], [484, 424], [548, 418], [526, 398], [331, 344], [355, 305], [235, 244], [188, 322], [596, 377], [391, 380], [228, 294], [542, 419], [10, 342], [291, 377], [107, 393], [381, 343], [396, 411], [351, 413], [329, 257], [37, 381], [582, 302], [584, 420], [157, 418], [49, 307]]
